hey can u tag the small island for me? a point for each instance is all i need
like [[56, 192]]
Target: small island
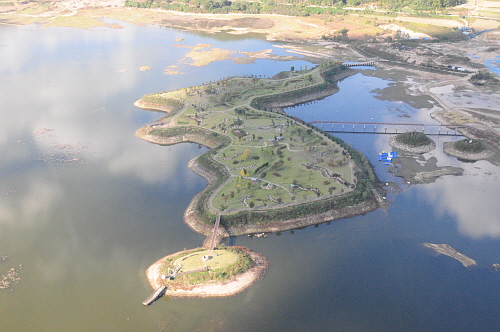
[[413, 142], [266, 171], [447, 250], [202, 272], [468, 149]]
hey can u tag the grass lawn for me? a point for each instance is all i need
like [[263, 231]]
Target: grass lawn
[[217, 259]]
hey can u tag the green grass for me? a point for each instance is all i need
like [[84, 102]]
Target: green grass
[[217, 259], [254, 141], [232, 261]]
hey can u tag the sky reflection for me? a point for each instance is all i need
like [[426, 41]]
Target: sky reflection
[[472, 199]]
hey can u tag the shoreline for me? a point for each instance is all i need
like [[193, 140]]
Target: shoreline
[[221, 289]]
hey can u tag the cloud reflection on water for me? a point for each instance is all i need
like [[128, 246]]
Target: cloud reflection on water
[[64, 80], [472, 199]]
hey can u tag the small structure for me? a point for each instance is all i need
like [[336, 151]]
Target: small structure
[[387, 156], [254, 180]]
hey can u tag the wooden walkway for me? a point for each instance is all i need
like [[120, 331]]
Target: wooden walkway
[[155, 296]]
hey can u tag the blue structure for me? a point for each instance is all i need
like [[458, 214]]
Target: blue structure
[[387, 156]]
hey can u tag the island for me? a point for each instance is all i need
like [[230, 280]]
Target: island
[[266, 171], [447, 250]]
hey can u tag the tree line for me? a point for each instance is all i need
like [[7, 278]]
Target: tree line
[[291, 8]]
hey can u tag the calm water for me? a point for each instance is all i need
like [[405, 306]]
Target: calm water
[[87, 206]]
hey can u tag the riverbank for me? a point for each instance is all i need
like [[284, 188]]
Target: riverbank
[[234, 286]]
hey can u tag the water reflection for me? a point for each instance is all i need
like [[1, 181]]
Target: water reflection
[[471, 199], [87, 206]]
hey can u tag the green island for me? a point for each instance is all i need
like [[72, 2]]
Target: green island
[[413, 141], [266, 171]]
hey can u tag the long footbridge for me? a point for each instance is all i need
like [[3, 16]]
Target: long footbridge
[[355, 64], [357, 127]]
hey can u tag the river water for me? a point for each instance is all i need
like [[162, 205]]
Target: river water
[[87, 206]]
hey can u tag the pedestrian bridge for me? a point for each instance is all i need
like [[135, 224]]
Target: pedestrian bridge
[[356, 127], [354, 64]]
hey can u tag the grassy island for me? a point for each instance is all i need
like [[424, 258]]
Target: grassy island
[[468, 145], [469, 149], [414, 142], [267, 171], [200, 272]]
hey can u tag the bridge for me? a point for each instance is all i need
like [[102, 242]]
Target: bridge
[[355, 127], [214, 236], [354, 64]]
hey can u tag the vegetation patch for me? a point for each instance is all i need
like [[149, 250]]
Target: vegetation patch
[[223, 263], [468, 145], [483, 78], [414, 139]]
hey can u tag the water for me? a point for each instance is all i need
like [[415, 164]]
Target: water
[[87, 206]]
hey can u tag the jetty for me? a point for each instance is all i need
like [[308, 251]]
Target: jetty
[[162, 289], [447, 250], [155, 296]]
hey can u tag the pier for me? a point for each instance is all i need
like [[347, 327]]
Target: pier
[[162, 289], [155, 296]]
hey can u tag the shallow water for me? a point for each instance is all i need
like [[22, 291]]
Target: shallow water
[[88, 207]]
